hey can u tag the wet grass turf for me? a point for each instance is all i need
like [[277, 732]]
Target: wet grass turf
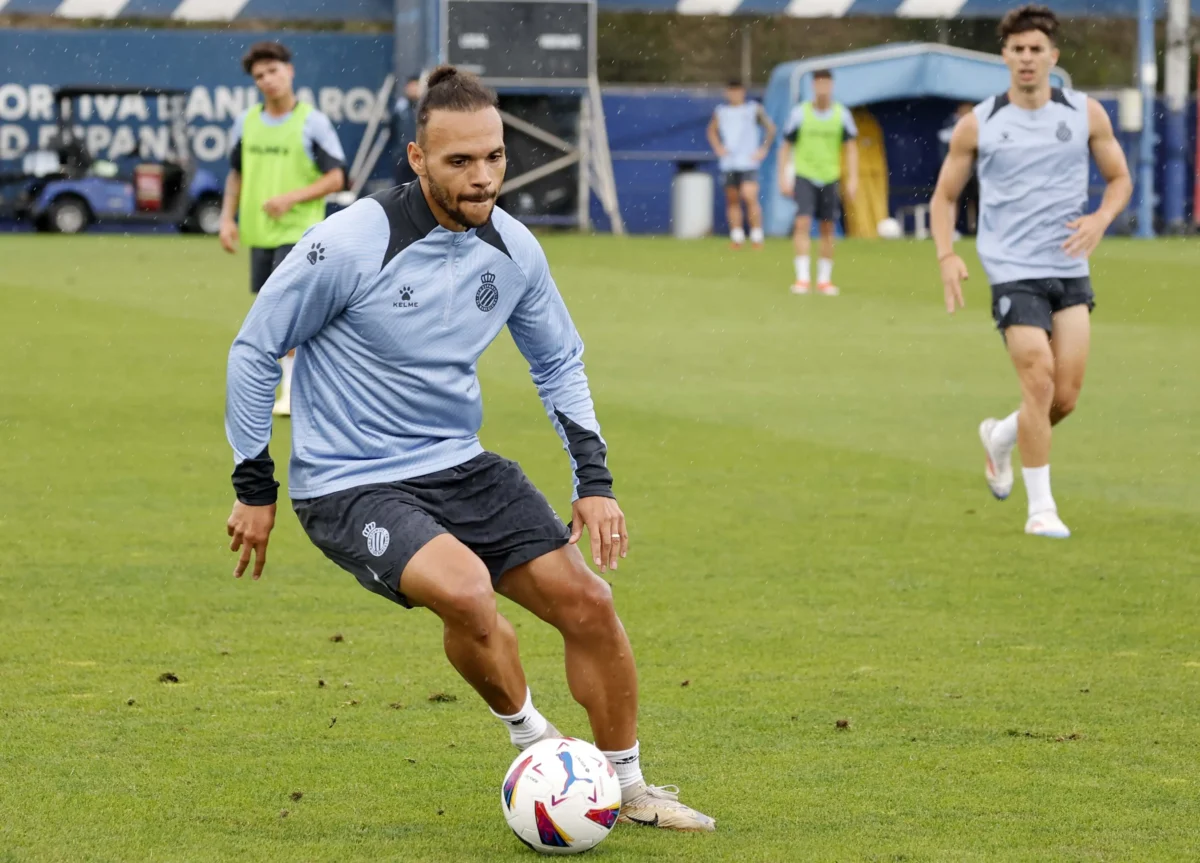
[[813, 542]]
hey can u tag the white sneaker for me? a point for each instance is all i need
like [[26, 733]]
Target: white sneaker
[[800, 286], [659, 806], [998, 471], [1047, 524], [283, 407]]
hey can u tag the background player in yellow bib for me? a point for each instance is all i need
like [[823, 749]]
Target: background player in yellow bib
[[284, 159], [810, 169]]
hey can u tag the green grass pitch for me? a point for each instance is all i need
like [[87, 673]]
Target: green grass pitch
[[813, 542]]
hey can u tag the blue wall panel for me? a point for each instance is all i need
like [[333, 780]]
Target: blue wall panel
[[340, 73]]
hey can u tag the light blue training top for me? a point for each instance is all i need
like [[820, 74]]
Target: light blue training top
[[389, 313], [741, 135], [1033, 179]]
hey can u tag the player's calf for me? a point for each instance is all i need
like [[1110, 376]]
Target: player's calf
[[1063, 405]]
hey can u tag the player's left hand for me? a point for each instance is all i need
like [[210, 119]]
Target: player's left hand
[[1089, 230], [761, 155], [851, 188], [606, 529], [277, 206]]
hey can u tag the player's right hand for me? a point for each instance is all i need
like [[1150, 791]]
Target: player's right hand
[[787, 186], [229, 236], [954, 273], [250, 527]]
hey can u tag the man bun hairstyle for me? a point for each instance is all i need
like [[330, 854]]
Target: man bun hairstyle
[[261, 51], [1027, 18], [450, 89]]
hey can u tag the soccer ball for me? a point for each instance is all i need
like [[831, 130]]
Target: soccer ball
[[889, 229], [561, 796]]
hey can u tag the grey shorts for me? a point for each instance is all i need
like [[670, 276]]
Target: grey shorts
[[487, 504], [263, 262], [821, 202], [1033, 302], [735, 179]]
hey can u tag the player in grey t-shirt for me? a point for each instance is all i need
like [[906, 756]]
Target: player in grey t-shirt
[[1030, 148]]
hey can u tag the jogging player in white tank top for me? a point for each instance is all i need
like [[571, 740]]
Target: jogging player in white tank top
[[1030, 148]]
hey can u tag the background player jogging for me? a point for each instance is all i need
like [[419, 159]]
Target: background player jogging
[[810, 168], [285, 159], [392, 303], [1031, 146], [740, 133]]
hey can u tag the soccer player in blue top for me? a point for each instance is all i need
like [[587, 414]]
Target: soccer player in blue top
[[1030, 147], [740, 133], [390, 304]]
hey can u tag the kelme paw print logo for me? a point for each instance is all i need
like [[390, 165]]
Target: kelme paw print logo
[[316, 253]]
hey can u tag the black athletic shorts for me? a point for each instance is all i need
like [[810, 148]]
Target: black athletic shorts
[[262, 263], [1033, 302], [821, 202], [487, 504], [735, 179]]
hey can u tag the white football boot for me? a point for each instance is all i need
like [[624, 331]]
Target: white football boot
[[1047, 524], [998, 471], [655, 806]]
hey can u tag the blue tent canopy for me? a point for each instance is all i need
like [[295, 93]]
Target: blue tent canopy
[[910, 70]]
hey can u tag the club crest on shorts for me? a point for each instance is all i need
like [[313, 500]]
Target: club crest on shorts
[[488, 294], [1004, 305], [377, 539]]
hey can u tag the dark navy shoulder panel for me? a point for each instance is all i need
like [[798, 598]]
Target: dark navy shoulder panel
[[409, 217]]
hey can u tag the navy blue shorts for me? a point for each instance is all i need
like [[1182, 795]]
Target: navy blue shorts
[[263, 262], [735, 179], [1033, 302], [487, 504]]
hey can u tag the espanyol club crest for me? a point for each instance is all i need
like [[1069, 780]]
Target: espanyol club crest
[[488, 294], [1064, 132], [377, 539]]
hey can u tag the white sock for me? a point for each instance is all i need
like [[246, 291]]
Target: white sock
[[824, 271], [737, 235], [628, 764], [286, 361], [1004, 433], [756, 235], [526, 725], [1037, 486], [802, 270]]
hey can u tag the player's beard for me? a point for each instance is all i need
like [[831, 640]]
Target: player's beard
[[441, 195]]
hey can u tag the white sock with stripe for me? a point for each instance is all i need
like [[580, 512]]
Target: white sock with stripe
[[628, 764], [526, 725]]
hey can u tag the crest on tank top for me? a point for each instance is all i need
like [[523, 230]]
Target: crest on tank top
[[1064, 131]]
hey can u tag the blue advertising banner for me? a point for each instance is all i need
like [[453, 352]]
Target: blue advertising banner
[[340, 74]]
